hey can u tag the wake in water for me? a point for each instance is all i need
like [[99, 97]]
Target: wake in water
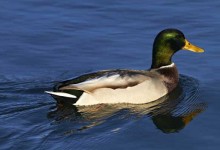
[[20, 95]]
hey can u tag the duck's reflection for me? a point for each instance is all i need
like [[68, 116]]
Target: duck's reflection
[[170, 113], [169, 123]]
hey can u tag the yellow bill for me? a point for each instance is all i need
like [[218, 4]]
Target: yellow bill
[[191, 47]]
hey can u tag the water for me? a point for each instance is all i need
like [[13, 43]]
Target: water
[[44, 42]]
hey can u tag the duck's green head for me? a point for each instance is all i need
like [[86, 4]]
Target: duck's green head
[[167, 43]]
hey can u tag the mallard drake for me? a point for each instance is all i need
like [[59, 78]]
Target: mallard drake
[[130, 86]]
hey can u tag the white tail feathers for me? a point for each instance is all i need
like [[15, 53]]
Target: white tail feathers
[[62, 94]]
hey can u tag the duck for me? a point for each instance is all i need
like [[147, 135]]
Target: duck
[[129, 86]]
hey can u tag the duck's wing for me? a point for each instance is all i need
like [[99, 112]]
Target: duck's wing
[[112, 79], [115, 79]]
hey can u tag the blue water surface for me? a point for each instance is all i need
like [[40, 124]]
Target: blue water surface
[[44, 42]]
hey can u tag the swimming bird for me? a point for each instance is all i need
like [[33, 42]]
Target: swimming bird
[[130, 86]]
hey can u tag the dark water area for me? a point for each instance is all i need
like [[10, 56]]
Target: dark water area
[[44, 42]]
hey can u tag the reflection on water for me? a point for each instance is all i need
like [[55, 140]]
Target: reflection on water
[[169, 114]]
